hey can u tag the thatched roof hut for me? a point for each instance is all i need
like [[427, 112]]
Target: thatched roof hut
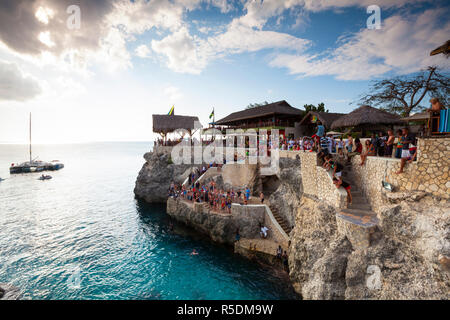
[[422, 116], [280, 108], [163, 123], [326, 118], [445, 49], [366, 116]]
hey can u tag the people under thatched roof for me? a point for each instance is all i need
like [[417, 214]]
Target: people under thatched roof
[[366, 116], [163, 123], [326, 118], [279, 109]]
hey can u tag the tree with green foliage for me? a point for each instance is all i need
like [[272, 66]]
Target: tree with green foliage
[[320, 107], [254, 105], [403, 95]]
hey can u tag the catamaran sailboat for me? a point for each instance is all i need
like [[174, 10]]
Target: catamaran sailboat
[[35, 165]]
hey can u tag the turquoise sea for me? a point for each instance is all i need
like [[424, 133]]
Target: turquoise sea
[[83, 235]]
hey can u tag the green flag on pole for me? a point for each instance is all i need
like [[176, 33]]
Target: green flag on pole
[[212, 114]]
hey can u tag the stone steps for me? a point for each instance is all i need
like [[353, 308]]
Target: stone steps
[[358, 222], [358, 198], [360, 206], [283, 224]]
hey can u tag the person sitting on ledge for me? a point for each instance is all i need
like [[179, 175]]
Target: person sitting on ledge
[[264, 231], [436, 107], [357, 151], [341, 183], [407, 139], [370, 151]]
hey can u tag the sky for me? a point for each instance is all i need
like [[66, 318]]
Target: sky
[[97, 70]]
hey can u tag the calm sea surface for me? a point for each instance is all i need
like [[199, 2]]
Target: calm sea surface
[[82, 235]]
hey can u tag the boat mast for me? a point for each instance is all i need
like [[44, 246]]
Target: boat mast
[[30, 138]]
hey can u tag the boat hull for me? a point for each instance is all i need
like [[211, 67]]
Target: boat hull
[[26, 168]]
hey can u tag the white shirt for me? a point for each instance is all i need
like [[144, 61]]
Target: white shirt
[[264, 230]]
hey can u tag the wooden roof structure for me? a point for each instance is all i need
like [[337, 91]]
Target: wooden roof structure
[[327, 118], [163, 123], [366, 116], [276, 108]]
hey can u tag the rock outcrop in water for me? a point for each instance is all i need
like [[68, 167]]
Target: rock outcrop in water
[[408, 259], [220, 228], [9, 292], [157, 174]]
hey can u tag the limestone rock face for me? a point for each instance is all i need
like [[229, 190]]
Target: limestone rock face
[[220, 228], [9, 292], [288, 195], [408, 260], [156, 175]]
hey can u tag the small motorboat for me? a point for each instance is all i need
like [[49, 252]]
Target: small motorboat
[[1, 179], [45, 177]]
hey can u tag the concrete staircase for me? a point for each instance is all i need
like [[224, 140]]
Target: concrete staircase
[[357, 221], [283, 223]]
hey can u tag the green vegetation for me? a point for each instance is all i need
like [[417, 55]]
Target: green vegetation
[[320, 107]]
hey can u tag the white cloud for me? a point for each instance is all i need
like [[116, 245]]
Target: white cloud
[[16, 86], [182, 52], [173, 93], [402, 45], [187, 54], [142, 51], [224, 5], [44, 14]]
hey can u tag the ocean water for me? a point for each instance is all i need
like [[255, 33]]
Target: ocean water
[[82, 235]]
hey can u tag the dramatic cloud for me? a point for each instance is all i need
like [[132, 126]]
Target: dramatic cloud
[[22, 22], [14, 85], [38, 28], [187, 54], [402, 45]]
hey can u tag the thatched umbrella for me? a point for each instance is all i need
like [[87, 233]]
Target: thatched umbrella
[[365, 117], [165, 124], [445, 49]]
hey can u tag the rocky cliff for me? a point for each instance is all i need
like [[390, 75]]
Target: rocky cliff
[[220, 228], [407, 260], [156, 175], [288, 195]]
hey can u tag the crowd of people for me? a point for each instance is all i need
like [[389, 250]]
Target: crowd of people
[[217, 199]]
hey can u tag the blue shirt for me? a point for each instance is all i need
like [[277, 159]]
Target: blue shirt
[[320, 130]]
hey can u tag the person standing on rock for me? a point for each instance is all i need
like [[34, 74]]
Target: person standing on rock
[[407, 139], [279, 252], [261, 197]]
